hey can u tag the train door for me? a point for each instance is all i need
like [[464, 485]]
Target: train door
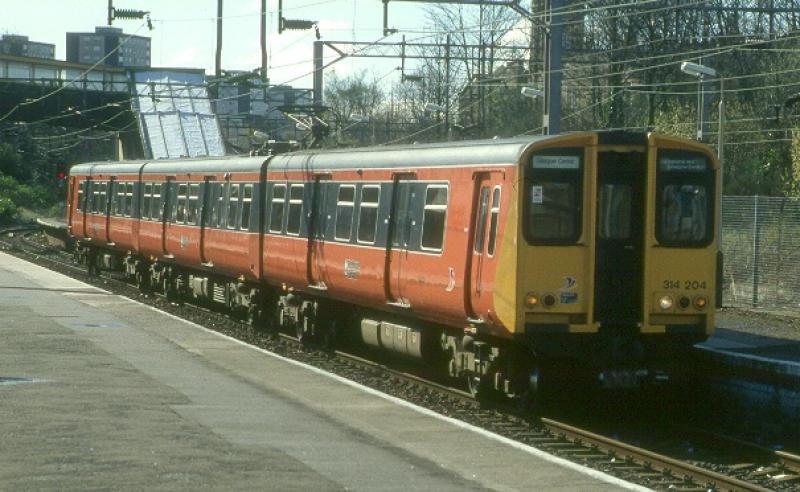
[[317, 225], [398, 237], [620, 238], [166, 212], [476, 293], [205, 217]]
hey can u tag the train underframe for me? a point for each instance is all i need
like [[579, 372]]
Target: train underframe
[[525, 368]]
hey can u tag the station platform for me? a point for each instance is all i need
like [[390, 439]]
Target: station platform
[[102, 392], [756, 341]]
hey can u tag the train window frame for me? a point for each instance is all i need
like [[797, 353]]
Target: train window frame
[[494, 220], [130, 194], [232, 210], [705, 178], [81, 190], [280, 208], [103, 198], [147, 198], [218, 204], [482, 218], [344, 205], [554, 173], [247, 202], [156, 201], [113, 200], [181, 193], [294, 210], [371, 207], [193, 204], [435, 208]]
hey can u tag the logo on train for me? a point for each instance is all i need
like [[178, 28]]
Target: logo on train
[[351, 269], [566, 294]]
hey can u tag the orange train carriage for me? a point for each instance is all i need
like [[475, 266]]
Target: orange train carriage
[[489, 258]]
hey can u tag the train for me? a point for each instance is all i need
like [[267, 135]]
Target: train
[[504, 262]]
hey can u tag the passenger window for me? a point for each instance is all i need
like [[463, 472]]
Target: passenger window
[[148, 190], [247, 199], [434, 218], [180, 211], [156, 209], [481, 218], [495, 213], [114, 198], [614, 211], [295, 210], [276, 210], [103, 198], [368, 214], [233, 205], [194, 203], [129, 199], [81, 187], [92, 191], [219, 205], [345, 204]]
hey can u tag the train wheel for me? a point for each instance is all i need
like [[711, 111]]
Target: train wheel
[[530, 398]]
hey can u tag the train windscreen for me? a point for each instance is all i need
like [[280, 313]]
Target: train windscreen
[[553, 196], [685, 199]]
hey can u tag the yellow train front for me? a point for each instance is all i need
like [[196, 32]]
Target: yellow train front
[[615, 259]]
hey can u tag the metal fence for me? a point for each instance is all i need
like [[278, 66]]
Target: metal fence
[[761, 246]]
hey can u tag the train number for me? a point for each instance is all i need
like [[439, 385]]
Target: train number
[[687, 284]]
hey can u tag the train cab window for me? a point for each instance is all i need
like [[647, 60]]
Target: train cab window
[[295, 213], [614, 211], [156, 208], [193, 203], [81, 188], [493, 221], [685, 200], [434, 218], [247, 200], [345, 204], [481, 225], [368, 214], [146, 198], [180, 204], [552, 201], [276, 210], [233, 204]]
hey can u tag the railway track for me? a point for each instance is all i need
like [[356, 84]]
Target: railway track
[[751, 467]]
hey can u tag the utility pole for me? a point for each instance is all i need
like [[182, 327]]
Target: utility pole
[[264, 41], [218, 63], [553, 45], [110, 12]]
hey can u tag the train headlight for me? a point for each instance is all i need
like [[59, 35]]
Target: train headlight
[[531, 300], [700, 302], [666, 303]]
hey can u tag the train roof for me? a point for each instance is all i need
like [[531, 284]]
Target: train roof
[[206, 164], [487, 152]]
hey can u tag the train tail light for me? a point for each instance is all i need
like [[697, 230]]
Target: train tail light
[[531, 300], [700, 302]]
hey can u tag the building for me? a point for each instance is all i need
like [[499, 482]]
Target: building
[[15, 45], [91, 47]]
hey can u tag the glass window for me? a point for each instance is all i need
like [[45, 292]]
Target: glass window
[[495, 214], [276, 210], [81, 188], [114, 198], [368, 214], [233, 204], [345, 204], [483, 208], [180, 211], [95, 187], [434, 217], [295, 210], [614, 211], [129, 199], [217, 204], [156, 208], [552, 197], [247, 199], [193, 204], [146, 197], [102, 206], [684, 213]]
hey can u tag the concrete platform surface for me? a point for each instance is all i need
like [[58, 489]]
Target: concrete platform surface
[[101, 392], [738, 347]]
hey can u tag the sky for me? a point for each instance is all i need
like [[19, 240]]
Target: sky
[[184, 33]]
